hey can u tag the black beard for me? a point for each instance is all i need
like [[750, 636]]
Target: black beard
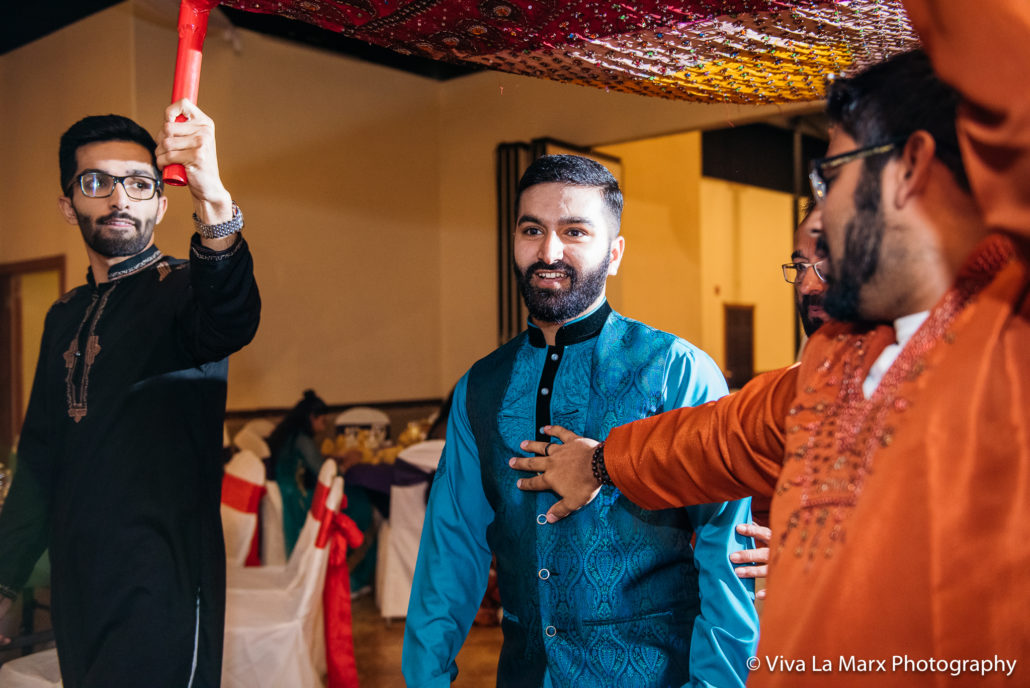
[[562, 305], [110, 246], [863, 237], [810, 325]]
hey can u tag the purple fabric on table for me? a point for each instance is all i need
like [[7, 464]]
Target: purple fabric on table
[[376, 477], [405, 474]]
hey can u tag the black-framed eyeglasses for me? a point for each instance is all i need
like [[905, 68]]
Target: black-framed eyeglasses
[[138, 187], [817, 176], [795, 272]]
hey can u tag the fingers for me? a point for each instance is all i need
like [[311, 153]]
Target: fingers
[[751, 556], [535, 447], [188, 110], [538, 483], [561, 433], [755, 531], [560, 510], [751, 571], [760, 595], [532, 464]]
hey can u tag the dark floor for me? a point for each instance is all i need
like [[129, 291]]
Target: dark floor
[[377, 650]]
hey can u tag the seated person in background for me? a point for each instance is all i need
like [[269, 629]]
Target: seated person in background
[[295, 461]]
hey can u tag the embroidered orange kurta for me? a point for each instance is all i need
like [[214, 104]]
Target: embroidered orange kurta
[[900, 521]]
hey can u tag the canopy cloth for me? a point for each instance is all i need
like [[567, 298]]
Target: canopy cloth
[[739, 51]]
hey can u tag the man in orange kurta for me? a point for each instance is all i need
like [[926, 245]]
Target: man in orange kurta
[[899, 510]]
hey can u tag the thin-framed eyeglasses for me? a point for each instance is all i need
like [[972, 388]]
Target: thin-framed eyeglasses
[[138, 187], [817, 176], [795, 272]]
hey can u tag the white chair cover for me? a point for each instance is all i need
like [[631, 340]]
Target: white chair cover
[[262, 427], [38, 670], [283, 576], [400, 535], [362, 415], [248, 440], [273, 541], [274, 633], [239, 523]]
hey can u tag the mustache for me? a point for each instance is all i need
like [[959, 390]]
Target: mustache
[[556, 266], [809, 300], [116, 215]]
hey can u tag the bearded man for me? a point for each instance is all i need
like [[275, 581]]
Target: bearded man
[[119, 463], [805, 271], [618, 597], [897, 452]]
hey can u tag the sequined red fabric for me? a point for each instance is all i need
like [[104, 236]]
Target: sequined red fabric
[[746, 51]]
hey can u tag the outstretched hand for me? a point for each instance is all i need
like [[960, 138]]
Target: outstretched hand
[[563, 468], [758, 558]]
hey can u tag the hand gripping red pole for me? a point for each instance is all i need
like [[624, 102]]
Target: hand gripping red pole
[[193, 16]]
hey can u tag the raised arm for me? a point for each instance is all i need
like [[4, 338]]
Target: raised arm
[[222, 317], [982, 50], [453, 558]]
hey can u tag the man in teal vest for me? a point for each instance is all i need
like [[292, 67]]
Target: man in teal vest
[[617, 596]]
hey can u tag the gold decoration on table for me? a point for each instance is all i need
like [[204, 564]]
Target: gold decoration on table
[[372, 444]]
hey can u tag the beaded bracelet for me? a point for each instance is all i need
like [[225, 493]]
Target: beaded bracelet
[[597, 466]]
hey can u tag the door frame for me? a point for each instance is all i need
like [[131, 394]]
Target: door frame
[[11, 383]]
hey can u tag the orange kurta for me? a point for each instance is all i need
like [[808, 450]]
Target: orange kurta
[[899, 522]]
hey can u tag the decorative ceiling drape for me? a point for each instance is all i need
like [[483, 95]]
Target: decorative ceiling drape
[[738, 51]]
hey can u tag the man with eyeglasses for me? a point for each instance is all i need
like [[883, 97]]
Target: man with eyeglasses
[[119, 465], [805, 271], [897, 453]]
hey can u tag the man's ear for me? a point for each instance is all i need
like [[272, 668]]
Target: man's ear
[[64, 204], [913, 167], [615, 251], [162, 206]]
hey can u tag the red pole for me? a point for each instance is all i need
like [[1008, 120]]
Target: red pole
[[193, 15]]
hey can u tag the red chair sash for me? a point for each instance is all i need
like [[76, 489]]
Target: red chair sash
[[340, 532], [240, 495], [318, 502]]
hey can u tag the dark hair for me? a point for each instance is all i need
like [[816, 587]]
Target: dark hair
[[574, 170], [296, 421], [893, 99], [95, 129]]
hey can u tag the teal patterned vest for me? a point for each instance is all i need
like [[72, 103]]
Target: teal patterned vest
[[607, 596]]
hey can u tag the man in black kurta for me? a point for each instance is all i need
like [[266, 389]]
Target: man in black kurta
[[119, 467]]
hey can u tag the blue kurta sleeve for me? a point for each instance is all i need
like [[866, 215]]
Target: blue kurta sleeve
[[453, 558], [726, 631]]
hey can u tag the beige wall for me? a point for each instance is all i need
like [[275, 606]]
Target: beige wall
[[747, 236], [694, 244], [369, 193], [659, 278]]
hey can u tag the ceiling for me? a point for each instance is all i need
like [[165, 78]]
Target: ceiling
[[33, 20]]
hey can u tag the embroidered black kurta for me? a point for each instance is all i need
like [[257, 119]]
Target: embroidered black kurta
[[119, 467]]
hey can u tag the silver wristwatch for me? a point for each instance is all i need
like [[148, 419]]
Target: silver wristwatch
[[222, 229]]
